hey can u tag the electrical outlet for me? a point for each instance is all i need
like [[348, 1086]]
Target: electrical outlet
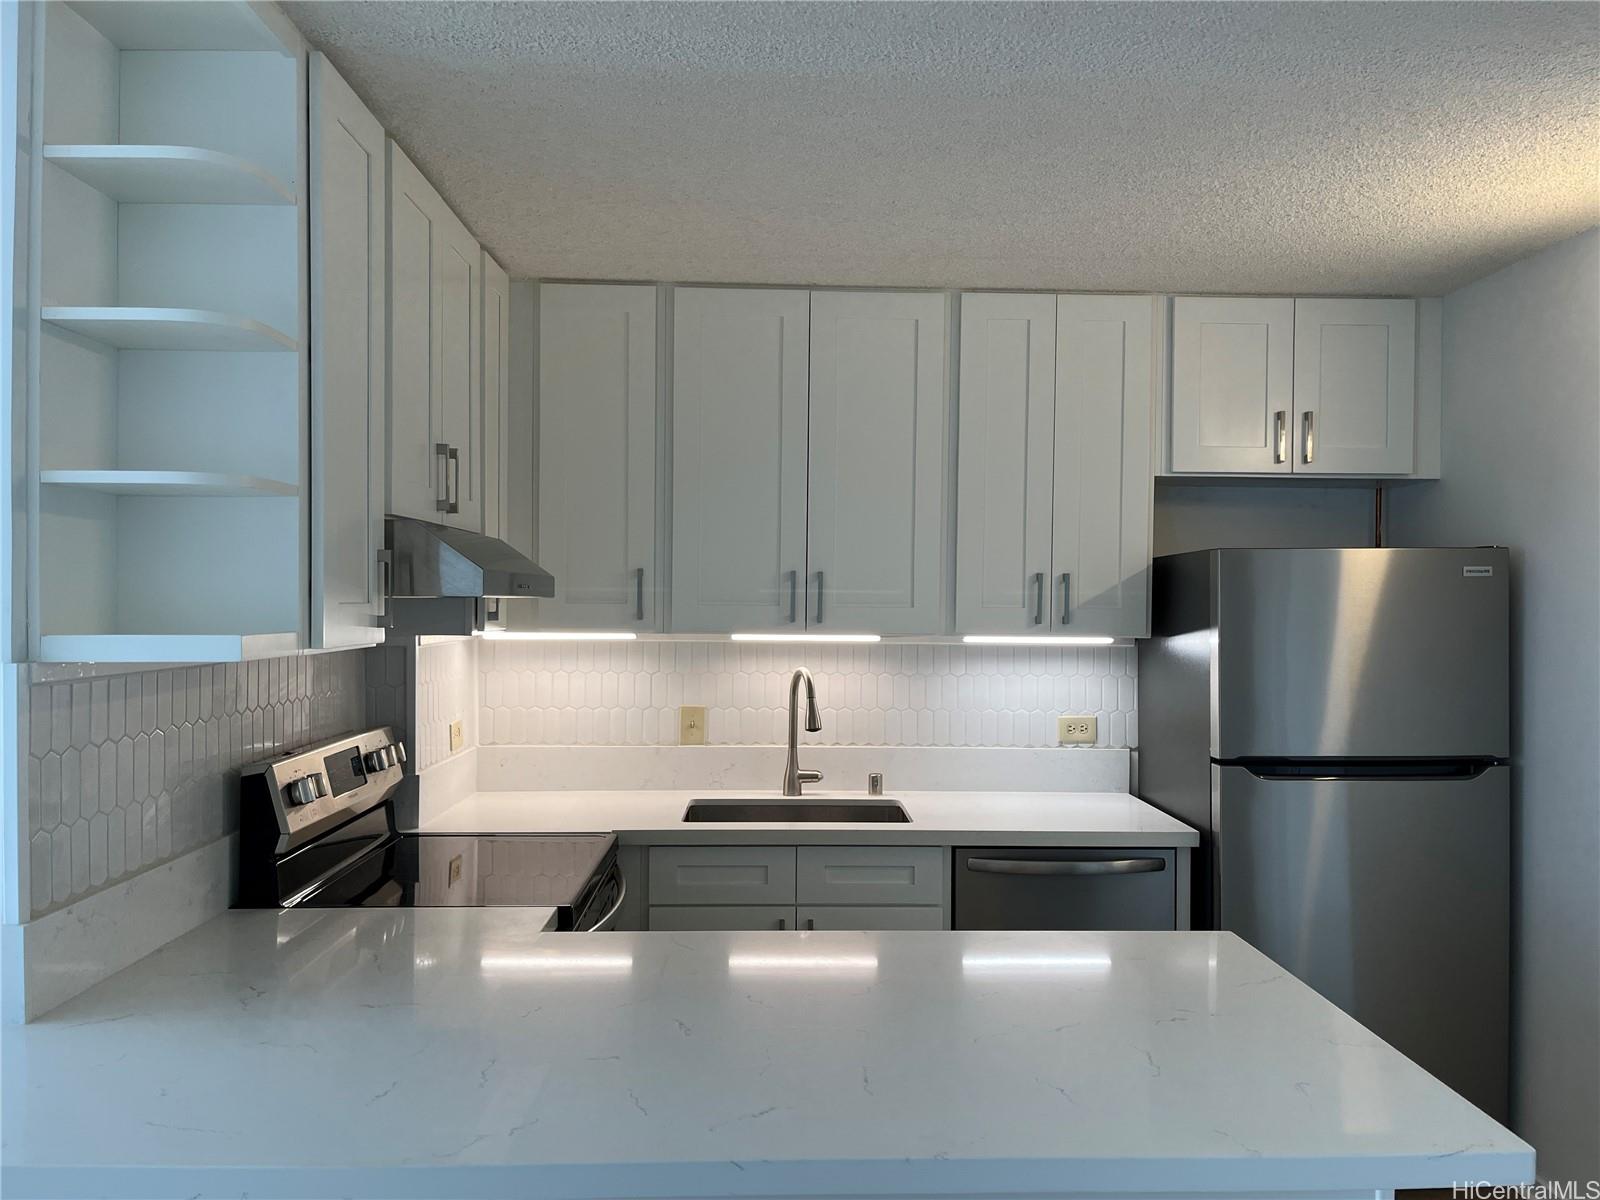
[[455, 872], [458, 736], [691, 725], [1078, 731]]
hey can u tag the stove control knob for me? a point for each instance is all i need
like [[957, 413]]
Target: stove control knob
[[300, 792], [399, 749], [373, 760]]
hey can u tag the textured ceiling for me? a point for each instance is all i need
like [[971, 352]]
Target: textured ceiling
[[1283, 147]]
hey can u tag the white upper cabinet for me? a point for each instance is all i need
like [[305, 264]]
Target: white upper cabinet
[[1309, 387], [877, 472], [1232, 384], [1355, 386], [435, 410], [1006, 468], [348, 353], [597, 454], [1104, 477], [739, 413], [496, 375], [1054, 467]]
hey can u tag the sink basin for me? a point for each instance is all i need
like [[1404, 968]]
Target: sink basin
[[798, 808]]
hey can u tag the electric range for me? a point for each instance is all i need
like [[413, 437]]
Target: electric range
[[317, 830]]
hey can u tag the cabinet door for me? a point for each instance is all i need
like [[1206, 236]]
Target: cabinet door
[[597, 454], [495, 379], [1104, 478], [870, 875], [348, 352], [458, 276], [877, 480], [416, 474], [732, 874], [1006, 415], [743, 916], [871, 916], [1232, 381], [739, 401], [1355, 377]]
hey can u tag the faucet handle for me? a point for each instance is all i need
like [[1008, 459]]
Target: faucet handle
[[808, 776]]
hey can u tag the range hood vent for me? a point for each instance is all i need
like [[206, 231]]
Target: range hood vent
[[430, 561]]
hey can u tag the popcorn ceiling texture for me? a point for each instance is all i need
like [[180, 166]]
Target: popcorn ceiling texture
[[1310, 147], [628, 693], [126, 772]]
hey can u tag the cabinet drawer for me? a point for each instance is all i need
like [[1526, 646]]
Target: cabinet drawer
[[870, 875], [870, 916], [721, 916], [722, 875]]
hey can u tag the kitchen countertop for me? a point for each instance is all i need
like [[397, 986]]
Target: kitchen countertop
[[463, 1052], [943, 818]]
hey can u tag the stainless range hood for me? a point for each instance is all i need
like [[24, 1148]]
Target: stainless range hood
[[440, 577]]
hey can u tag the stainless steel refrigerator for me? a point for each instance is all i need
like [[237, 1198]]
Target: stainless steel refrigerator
[[1336, 723]]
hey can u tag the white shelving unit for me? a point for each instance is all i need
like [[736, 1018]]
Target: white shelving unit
[[169, 329], [170, 417], [170, 175], [168, 483]]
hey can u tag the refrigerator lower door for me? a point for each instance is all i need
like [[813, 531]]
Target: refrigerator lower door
[[1390, 898]]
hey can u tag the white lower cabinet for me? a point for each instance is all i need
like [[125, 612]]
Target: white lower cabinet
[[716, 916], [870, 916]]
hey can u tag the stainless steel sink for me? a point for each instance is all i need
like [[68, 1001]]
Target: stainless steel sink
[[836, 809]]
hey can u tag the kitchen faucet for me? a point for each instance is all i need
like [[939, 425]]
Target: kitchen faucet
[[793, 776]]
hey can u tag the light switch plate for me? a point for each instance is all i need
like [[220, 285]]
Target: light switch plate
[[1078, 731], [458, 736], [691, 725]]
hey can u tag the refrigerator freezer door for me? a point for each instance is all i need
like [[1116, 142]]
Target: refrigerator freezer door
[[1388, 653], [1389, 898]]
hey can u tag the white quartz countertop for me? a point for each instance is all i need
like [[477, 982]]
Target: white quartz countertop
[[937, 818], [413, 1053]]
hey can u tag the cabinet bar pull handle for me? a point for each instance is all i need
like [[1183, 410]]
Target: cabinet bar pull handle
[[1038, 598], [1066, 597], [455, 478], [1308, 426], [783, 922], [819, 597], [1280, 436], [811, 922], [1082, 866], [441, 454], [385, 570], [638, 593], [794, 596]]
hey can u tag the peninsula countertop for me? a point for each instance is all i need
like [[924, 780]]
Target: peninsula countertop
[[975, 818], [465, 1052]]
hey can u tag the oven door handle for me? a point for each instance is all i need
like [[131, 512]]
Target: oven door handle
[[622, 894]]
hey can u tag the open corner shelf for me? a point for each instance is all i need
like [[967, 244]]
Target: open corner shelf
[[168, 329], [168, 483], [176, 25], [170, 175], [165, 647]]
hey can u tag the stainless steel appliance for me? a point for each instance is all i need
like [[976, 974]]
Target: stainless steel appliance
[[1037, 887], [316, 830], [442, 580], [1336, 724]]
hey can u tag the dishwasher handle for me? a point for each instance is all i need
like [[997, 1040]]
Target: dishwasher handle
[[1079, 866]]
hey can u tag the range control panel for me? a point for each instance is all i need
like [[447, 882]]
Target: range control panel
[[319, 786]]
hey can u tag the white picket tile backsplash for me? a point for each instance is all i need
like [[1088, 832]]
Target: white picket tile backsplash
[[628, 693]]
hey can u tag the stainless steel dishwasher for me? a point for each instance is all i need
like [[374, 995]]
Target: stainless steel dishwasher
[[1052, 887]]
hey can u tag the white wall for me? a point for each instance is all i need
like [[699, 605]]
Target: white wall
[[1521, 443]]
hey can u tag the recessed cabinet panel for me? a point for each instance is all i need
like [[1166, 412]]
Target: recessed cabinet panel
[[1355, 386], [496, 322], [719, 917], [878, 916], [1007, 404], [1103, 474], [416, 471], [877, 472], [348, 354], [733, 874], [597, 454], [739, 404], [1232, 384], [459, 280]]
